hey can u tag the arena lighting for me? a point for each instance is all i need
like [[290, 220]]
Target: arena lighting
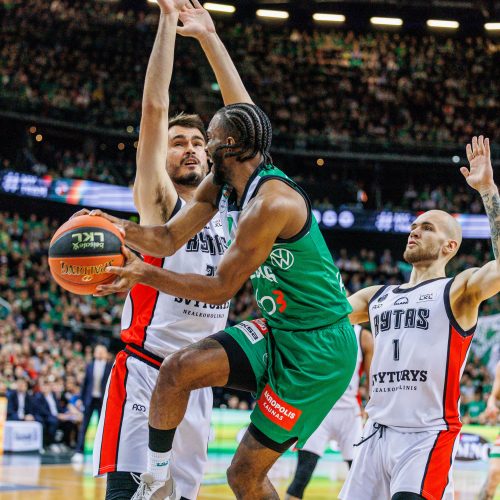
[[439, 23], [275, 14], [492, 26], [329, 18], [387, 21], [220, 7]]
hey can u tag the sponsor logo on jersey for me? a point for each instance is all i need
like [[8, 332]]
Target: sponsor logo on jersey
[[401, 301], [206, 243], [401, 318], [202, 310], [278, 411], [399, 376], [137, 407], [282, 258], [395, 381], [251, 330], [381, 299], [264, 272], [201, 305], [261, 324], [425, 297]]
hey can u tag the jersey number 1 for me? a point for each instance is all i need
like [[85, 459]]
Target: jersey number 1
[[396, 349]]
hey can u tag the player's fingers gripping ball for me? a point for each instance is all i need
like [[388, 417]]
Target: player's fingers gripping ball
[[81, 250]]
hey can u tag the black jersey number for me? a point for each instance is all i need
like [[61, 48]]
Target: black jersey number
[[396, 349]]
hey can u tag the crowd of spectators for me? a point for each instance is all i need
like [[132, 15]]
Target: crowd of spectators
[[331, 188], [47, 335], [85, 61]]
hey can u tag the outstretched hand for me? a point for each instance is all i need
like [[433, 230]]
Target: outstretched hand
[[127, 276], [479, 175], [196, 21], [171, 6], [120, 224]]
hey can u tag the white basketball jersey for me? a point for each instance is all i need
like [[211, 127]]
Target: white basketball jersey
[[419, 357], [161, 323], [350, 398]]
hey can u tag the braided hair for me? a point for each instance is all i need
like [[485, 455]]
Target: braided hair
[[251, 129]]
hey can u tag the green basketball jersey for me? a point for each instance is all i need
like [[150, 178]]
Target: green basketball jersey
[[298, 287]]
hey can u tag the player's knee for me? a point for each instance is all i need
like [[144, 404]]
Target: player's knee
[[233, 479], [237, 477], [174, 370]]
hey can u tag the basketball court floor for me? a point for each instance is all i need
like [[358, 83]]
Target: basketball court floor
[[31, 477]]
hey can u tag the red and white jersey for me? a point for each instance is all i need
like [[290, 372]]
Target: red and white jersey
[[419, 357], [162, 324], [350, 398]]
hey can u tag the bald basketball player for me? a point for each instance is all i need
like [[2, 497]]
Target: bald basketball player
[[422, 330]]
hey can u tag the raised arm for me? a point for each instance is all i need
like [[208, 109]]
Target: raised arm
[[154, 194], [198, 24], [473, 286]]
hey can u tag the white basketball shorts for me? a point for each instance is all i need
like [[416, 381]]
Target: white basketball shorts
[[121, 441], [391, 461], [344, 425]]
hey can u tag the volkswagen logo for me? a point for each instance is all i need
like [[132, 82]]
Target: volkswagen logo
[[282, 258]]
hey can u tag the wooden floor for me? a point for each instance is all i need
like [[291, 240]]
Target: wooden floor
[[27, 479]]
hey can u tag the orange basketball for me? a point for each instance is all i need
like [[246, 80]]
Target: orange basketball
[[80, 251]]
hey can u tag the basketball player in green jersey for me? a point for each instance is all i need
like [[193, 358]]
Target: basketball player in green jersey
[[300, 358]]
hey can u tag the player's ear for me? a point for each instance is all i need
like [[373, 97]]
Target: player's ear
[[451, 247]]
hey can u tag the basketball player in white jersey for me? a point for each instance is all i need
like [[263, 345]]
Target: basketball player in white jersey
[[343, 423], [422, 331], [491, 413], [171, 163]]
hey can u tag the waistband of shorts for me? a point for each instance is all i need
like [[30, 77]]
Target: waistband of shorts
[[144, 355]]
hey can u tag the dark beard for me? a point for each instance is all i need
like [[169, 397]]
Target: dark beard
[[191, 179], [421, 255], [220, 172]]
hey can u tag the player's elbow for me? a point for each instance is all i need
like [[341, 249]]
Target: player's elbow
[[221, 294], [221, 299]]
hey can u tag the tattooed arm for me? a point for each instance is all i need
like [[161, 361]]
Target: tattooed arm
[[478, 284]]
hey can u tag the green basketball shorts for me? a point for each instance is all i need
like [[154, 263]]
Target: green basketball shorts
[[300, 375]]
